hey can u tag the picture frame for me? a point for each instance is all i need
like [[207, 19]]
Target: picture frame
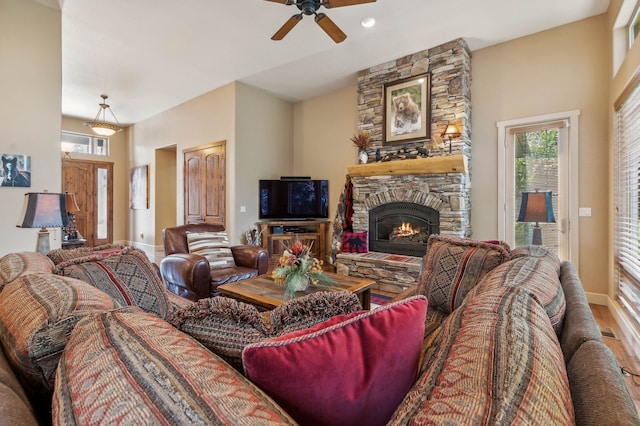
[[139, 188], [407, 109], [16, 170]]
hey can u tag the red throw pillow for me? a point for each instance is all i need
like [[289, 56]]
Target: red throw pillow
[[350, 369], [355, 242]]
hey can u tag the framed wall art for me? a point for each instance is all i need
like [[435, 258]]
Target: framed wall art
[[16, 170], [407, 109], [139, 188]]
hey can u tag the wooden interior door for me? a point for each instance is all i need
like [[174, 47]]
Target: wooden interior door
[[92, 184], [204, 184]]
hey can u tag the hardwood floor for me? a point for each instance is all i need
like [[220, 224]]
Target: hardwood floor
[[619, 346]]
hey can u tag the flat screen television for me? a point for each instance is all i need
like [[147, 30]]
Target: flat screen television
[[294, 199]]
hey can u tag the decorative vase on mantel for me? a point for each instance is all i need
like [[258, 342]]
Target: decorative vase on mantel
[[363, 157]]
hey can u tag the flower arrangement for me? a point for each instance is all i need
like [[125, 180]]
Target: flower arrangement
[[362, 139], [297, 269]]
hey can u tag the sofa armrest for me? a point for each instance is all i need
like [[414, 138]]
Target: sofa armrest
[[187, 275], [253, 257]]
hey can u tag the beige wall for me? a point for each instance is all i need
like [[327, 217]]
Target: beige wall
[[119, 156], [562, 69], [257, 129], [322, 129], [263, 149], [30, 93]]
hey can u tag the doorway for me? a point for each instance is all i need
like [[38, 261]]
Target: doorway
[[165, 195], [537, 160], [92, 184]]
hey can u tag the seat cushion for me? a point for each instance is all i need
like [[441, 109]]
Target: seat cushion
[[132, 368], [349, 370], [230, 275], [454, 266], [214, 246]]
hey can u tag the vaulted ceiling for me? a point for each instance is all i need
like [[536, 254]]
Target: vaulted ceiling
[[151, 55]]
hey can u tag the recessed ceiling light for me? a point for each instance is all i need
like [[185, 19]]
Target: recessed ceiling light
[[368, 22]]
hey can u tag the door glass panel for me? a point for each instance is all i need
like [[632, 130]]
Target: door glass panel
[[536, 169], [102, 203]]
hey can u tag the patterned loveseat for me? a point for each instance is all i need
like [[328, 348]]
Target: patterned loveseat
[[508, 338]]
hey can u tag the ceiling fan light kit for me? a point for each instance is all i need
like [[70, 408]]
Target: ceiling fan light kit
[[310, 7]]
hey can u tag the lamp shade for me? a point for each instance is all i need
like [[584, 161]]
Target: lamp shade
[[70, 201], [451, 131], [536, 207], [43, 210]]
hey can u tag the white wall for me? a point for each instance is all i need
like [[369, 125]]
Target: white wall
[[30, 93]]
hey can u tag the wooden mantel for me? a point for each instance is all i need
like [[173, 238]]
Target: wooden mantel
[[419, 166]]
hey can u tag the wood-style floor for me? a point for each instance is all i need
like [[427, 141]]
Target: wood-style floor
[[619, 347]]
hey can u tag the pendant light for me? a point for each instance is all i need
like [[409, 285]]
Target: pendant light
[[99, 125]]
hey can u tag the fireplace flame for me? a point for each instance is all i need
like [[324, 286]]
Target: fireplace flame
[[406, 230]]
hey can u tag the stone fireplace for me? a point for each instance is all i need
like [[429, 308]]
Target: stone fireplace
[[401, 202]]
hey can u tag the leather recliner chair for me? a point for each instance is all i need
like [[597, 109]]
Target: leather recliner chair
[[188, 275]]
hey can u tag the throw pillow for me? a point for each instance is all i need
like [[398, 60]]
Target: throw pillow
[[350, 369], [214, 246], [37, 314], [14, 265], [129, 277], [454, 266], [61, 255], [355, 242]]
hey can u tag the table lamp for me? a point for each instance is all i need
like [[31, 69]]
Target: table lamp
[[536, 207], [71, 231], [43, 210]]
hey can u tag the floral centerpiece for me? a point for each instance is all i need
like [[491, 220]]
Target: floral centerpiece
[[297, 269], [362, 140]]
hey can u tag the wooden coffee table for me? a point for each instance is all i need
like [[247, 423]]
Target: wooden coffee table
[[265, 294]]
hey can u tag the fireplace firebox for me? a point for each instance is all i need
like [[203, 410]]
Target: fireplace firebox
[[402, 228]]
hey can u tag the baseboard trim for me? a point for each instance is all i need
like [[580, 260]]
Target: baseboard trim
[[628, 326], [598, 298]]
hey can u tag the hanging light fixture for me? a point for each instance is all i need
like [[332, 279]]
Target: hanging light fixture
[[99, 125]]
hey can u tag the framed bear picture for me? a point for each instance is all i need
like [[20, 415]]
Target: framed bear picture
[[407, 109]]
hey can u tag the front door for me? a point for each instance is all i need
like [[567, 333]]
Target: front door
[[92, 184]]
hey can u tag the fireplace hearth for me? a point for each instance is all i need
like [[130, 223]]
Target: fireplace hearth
[[402, 228]]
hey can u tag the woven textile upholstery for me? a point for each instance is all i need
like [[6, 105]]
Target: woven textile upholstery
[[225, 326], [499, 358], [14, 265], [536, 275], [62, 255], [37, 314], [128, 276], [349, 370], [133, 368], [453, 266], [214, 246], [307, 311], [541, 252]]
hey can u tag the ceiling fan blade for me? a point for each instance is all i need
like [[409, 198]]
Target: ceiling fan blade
[[288, 26], [340, 3], [330, 28], [287, 2]]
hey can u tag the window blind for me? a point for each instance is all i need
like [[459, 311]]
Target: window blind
[[627, 196]]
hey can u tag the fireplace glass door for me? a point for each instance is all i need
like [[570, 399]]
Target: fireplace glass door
[[402, 228]]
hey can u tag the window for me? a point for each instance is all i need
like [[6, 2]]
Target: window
[[627, 208], [539, 154], [634, 26], [84, 144]]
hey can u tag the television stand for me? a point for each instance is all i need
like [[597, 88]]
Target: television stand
[[278, 235]]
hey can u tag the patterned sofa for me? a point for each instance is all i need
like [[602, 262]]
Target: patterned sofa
[[508, 338]]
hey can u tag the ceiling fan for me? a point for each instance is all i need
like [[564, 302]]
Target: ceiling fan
[[310, 7]]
